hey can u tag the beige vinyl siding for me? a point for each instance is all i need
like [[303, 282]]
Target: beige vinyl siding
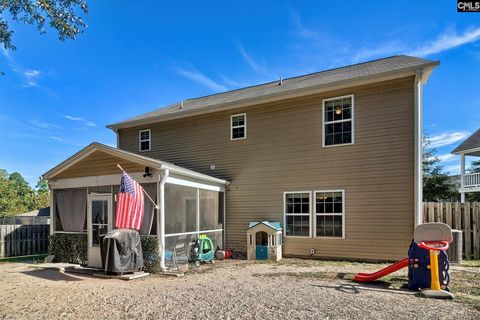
[[99, 163], [283, 152]]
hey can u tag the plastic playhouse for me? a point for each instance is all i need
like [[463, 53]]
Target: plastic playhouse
[[427, 262]]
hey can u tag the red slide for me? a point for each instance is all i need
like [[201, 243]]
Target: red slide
[[369, 277]]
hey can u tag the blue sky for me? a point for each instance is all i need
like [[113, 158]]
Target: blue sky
[[56, 97]]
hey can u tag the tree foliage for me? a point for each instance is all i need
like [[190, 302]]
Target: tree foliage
[[61, 15], [16, 195], [437, 185]]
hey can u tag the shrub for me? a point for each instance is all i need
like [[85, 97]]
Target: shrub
[[69, 247], [151, 255]]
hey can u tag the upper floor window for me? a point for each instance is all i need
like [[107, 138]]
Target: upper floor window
[[144, 138], [238, 126], [338, 121]]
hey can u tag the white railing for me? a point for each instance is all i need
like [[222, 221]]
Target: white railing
[[471, 180]]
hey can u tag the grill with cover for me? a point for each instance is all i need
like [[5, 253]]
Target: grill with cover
[[121, 251]]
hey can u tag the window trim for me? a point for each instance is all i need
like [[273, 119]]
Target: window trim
[[336, 121], [314, 198], [244, 126], [301, 214], [140, 140]]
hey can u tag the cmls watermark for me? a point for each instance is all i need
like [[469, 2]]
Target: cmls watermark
[[468, 6]]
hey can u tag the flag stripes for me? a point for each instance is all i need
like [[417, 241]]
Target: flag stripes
[[130, 204]]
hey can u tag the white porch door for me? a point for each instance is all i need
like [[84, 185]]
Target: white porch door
[[99, 222]]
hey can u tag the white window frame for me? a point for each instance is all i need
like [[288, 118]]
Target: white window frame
[[140, 140], [337, 121], [314, 204], [301, 214], [244, 126]]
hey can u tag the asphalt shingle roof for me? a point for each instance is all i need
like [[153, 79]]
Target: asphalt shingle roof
[[471, 142], [353, 72]]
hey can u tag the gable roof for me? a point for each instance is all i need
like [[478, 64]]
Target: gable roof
[[128, 156], [373, 71], [271, 224], [472, 142]]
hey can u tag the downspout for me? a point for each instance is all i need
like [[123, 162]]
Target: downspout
[[418, 130], [161, 216]]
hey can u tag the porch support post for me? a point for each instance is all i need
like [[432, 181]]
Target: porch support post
[[462, 173], [161, 217], [52, 212], [418, 179]]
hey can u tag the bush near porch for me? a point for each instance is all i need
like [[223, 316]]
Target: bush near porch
[[69, 247], [72, 248]]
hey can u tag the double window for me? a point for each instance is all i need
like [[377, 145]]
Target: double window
[[297, 213], [338, 121], [238, 126], [144, 140], [327, 217]]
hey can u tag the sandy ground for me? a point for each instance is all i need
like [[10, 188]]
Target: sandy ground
[[226, 290]]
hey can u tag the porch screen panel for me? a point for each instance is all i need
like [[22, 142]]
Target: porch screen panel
[[210, 214], [72, 209], [180, 209], [149, 209]]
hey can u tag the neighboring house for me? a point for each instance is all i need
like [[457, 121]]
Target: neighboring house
[[335, 156], [469, 182], [40, 216]]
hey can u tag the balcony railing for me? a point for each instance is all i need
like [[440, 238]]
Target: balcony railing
[[470, 180]]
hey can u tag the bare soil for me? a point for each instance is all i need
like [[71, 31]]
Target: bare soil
[[231, 289]]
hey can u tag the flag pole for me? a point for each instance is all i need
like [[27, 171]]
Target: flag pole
[[148, 196]]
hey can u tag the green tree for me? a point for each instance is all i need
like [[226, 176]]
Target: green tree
[[436, 183], [42, 196], [61, 15], [474, 167]]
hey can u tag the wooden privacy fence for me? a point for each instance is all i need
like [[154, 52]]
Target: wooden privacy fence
[[21, 240], [460, 216]]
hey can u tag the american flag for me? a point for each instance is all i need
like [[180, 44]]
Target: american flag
[[129, 213]]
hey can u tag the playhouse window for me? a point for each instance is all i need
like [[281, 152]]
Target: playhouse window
[[338, 121], [297, 213], [329, 213]]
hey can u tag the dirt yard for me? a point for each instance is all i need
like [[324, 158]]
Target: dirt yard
[[292, 289]]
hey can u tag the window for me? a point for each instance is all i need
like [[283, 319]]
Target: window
[[297, 213], [144, 140], [329, 213], [238, 126], [338, 121]]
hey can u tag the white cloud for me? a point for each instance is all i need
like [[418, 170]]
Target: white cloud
[[59, 139], [249, 60], [303, 31], [201, 79], [80, 119], [386, 49], [447, 157], [448, 40], [447, 138], [454, 169], [31, 73], [45, 125]]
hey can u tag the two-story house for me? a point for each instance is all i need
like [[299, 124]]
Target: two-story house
[[334, 156]]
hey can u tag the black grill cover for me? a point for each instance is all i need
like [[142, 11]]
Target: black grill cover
[[121, 251]]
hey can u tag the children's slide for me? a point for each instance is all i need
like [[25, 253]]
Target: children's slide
[[369, 277]]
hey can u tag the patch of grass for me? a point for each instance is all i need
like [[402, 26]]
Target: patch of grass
[[471, 263], [465, 285], [36, 258]]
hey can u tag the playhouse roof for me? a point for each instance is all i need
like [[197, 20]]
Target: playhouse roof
[[271, 224]]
